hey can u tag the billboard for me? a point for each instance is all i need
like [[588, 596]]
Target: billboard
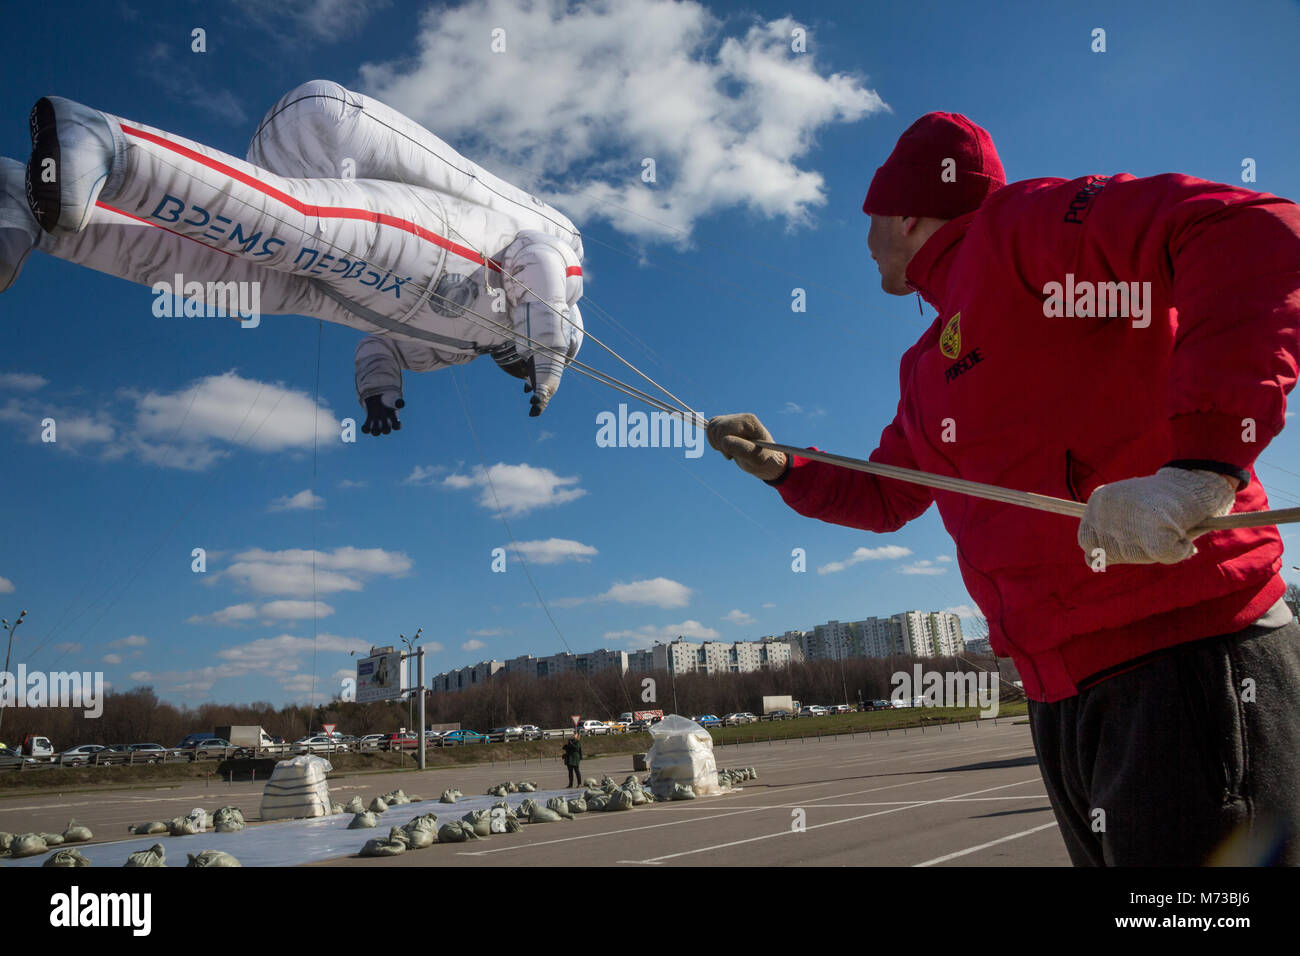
[[381, 677]]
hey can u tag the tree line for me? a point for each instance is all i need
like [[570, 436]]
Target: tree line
[[140, 716]]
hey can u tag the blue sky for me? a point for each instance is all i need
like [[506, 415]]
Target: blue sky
[[98, 529]]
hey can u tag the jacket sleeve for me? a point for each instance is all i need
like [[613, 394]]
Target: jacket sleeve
[[855, 499], [380, 359], [1231, 258]]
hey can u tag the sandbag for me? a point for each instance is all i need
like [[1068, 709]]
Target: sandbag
[[638, 796], [27, 844], [682, 754], [336, 809], [682, 791], [540, 814], [378, 805], [182, 826], [607, 784], [527, 786], [5, 840], [229, 820], [393, 845], [449, 796], [560, 806], [512, 787], [364, 821], [202, 819], [480, 820], [298, 789], [355, 805], [52, 839], [422, 831], [632, 783], [500, 790], [211, 858], [70, 856], [578, 805], [150, 829], [396, 798], [591, 794], [154, 856], [753, 774], [456, 832], [74, 832], [619, 800], [597, 802], [412, 798], [590, 784]]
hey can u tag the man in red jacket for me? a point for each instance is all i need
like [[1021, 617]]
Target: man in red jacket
[[1128, 343]]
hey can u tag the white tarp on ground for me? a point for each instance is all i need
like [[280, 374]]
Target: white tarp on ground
[[682, 753], [297, 789], [292, 842]]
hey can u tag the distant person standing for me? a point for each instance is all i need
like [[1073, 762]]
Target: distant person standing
[[573, 760]]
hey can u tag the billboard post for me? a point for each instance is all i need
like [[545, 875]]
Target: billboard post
[[419, 681]]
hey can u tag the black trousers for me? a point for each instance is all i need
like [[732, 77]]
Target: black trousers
[[575, 777], [1191, 758]]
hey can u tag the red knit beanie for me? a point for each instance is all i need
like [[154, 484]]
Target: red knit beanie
[[912, 181]]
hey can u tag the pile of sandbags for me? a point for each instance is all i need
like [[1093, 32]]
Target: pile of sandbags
[[422, 831], [27, 844], [449, 796], [682, 756], [526, 786], [458, 831], [297, 789]]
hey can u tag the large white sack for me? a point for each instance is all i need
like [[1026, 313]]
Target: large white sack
[[682, 753], [297, 788]]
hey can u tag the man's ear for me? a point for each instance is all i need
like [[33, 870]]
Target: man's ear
[[910, 223]]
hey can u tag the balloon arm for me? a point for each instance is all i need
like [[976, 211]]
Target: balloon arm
[[1023, 499]]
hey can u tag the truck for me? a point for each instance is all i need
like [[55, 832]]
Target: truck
[[787, 704], [250, 737]]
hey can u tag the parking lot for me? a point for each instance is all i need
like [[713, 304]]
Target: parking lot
[[950, 797]]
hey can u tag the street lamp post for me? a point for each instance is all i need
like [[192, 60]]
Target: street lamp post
[[410, 718], [10, 628]]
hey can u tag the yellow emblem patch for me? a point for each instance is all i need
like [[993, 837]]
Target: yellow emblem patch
[[950, 340]]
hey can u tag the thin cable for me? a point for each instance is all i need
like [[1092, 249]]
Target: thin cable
[[315, 606]]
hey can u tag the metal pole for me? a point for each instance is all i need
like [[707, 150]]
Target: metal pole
[[11, 628], [419, 669]]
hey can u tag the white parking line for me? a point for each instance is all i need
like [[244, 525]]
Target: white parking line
[[832, 823], [671, 823], [985, 846]]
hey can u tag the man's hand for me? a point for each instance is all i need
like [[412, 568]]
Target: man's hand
[[734, 436], [381, 417], [1146, 520]]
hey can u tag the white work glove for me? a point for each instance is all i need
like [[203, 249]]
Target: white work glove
[[1146, 520]]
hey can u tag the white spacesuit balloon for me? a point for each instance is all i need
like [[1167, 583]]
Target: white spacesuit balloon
[[345, 210]]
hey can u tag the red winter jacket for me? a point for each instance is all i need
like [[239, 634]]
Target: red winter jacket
[[1060, 405]]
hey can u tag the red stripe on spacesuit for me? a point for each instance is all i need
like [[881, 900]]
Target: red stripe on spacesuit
[[307, 209], [573, 271], [146, 222]]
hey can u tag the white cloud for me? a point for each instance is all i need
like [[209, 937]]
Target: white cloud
[[304, 500], [768, 604], [278, 653], [23, 381], [924, 566], [6, 586], [658, 592], [267, 613], [326, 21], [888, 552], [234, 614], [349, 483], [134, 640], [964, 610], [646, 635], [472, 645], [554, 551], [517, 489], [587, 89], [112, 658], [422, 475], [737, 616], [289, 573]]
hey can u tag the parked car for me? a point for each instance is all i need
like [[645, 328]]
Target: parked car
[[147, 753], [731, 720], [371, 741], [457, 737], [778, 715], [841, 709], [212, 747], [531, 732], [319, 743], [812, 710], [404, 741], [11, 759], [190, 740], [708, 720], [588, 727], [35, 746], [77, 756], [506, 733]]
